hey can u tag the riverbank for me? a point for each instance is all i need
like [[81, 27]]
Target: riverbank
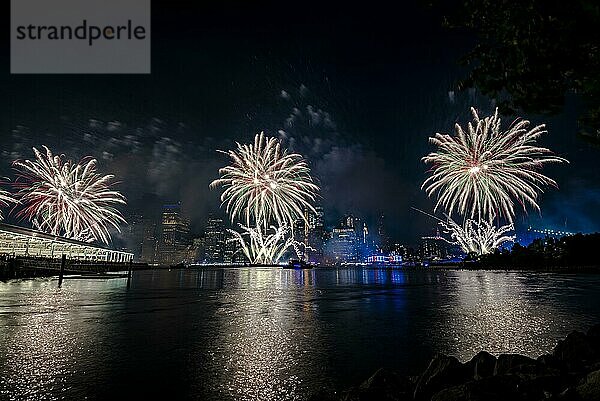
[[570, 373], [26, 268], [542, 269]]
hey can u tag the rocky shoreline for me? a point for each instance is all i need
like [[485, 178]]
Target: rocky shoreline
[[570, 373]]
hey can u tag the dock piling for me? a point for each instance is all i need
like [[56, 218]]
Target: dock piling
[[129, 273], [63, 262]]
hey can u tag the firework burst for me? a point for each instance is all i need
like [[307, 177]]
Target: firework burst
[[478, 237], [68, 199], [269, 189], [261, 247], [6, 199], [472, 236], [265, 184], [481, 171]]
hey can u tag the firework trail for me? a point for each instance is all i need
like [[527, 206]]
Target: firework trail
[[481, 171], [68, 199]]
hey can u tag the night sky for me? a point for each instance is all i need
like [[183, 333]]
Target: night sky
[[357, 89]]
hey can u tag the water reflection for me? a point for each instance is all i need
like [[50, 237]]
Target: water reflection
[[270, 345], [269, 334], [44, 335], [503, 312]]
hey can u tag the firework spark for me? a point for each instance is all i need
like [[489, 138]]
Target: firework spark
[[6, 199], [269, 190], [481, 171], [68, 199], [260, 247], [478, 237], [265, 184]]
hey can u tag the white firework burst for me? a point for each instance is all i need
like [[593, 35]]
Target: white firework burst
[[6, 198], [68, 199], [269, 189], [481, 171], [265, 184], [260, 247], [478, 237]]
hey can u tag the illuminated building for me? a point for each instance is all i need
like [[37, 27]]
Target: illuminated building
[[174, 240], [434, 247], [149, 242], [133, 234], [214, 240], [317, 236], [233, 254], [342, 246], [385, 259], [18, 241]]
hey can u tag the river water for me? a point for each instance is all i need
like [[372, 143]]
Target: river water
[[269, 334]]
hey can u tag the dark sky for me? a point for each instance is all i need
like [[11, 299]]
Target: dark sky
[[356, 88]]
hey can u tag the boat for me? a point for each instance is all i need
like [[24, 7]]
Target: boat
[[297, 264]]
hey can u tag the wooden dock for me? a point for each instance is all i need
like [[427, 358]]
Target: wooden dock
[[30, 267]]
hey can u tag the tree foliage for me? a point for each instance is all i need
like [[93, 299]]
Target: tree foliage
[[577, 251], [530, 53]]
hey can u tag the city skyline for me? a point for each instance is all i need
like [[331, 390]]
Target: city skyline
[[350, 240]]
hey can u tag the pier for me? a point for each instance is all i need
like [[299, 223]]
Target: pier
[[29, 267], [26, 253]]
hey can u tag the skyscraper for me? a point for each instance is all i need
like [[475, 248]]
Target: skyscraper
[[383, 240], [214, 240], [149, 242], [433, 247], [175, 236], [317, 236], [133, 235], [343, 245]]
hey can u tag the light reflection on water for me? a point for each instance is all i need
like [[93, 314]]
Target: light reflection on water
[[269, 334], [44, 339], [516, 316]]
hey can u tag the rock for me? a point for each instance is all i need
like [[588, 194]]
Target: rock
[[494, 388], [456, 393], [577, 351], [515, 363], [594, 332], [388, 379], [443, 371], [570, 394], [482, 365], [324, 395], [383, 385], [486, 378], [589, 387], [539, 387], [352, 394], [549, 364]]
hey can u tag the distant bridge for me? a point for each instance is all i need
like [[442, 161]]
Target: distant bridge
[[24, 242]]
